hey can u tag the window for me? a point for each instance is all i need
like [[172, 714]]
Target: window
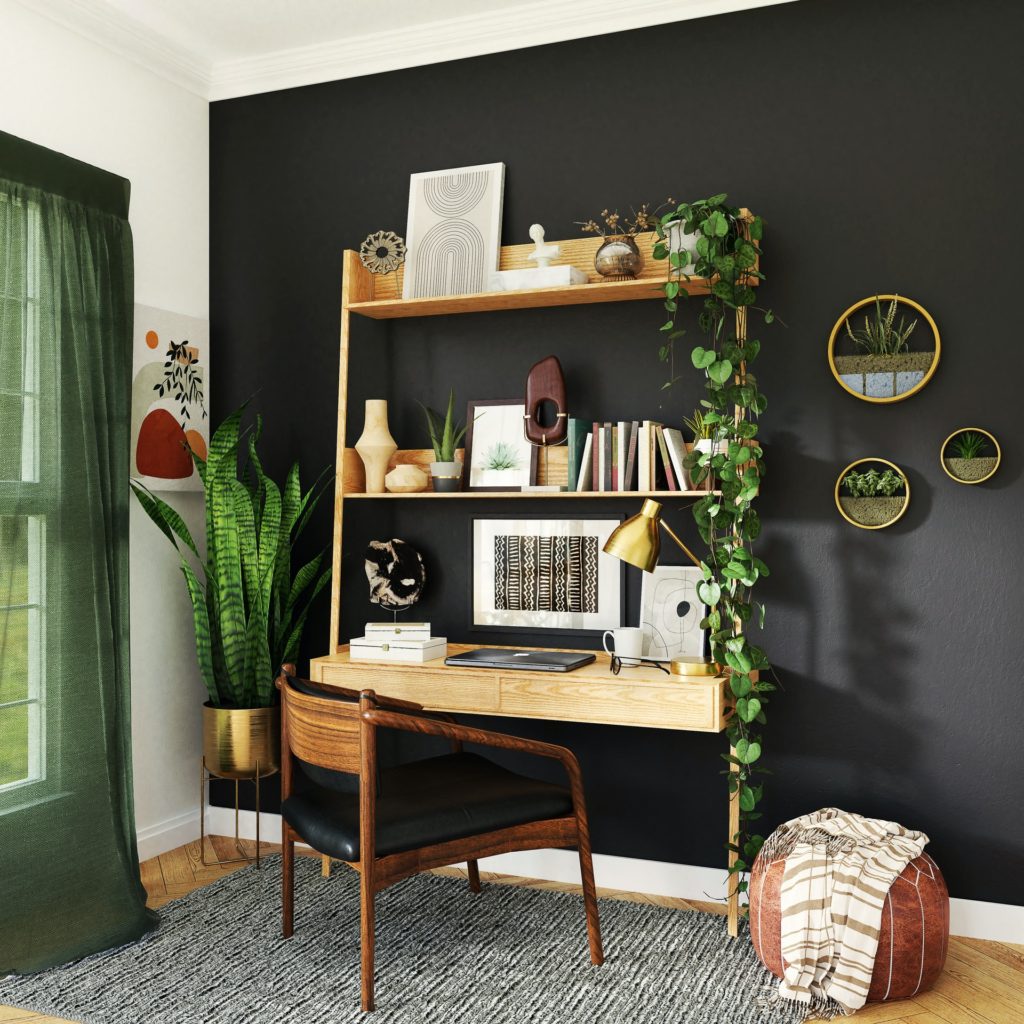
[[23, 505]]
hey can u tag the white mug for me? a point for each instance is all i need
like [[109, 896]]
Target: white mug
[[629, 644]]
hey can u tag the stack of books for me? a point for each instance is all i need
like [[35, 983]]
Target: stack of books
[[631, 455]]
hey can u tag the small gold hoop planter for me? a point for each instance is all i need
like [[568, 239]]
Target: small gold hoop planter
[[909, 368], [886, 508], [976, 469]]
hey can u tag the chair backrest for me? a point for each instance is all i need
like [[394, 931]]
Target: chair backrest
[[322, 731]]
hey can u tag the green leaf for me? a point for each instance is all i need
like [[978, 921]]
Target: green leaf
[[739, 683], [709, 592], [702, 358], [720, 371], [201, 621], [747, 801], [170, 523], [748, 708], [748, 752]]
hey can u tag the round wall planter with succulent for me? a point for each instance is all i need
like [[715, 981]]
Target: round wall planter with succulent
[[872, 493], [970, 455], [886, 356]]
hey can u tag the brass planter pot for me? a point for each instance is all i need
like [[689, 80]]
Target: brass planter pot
[[237, 741]]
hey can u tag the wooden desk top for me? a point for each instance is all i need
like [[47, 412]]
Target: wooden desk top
[[641, 696]]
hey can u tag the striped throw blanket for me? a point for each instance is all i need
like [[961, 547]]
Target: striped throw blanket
[[839, 867]]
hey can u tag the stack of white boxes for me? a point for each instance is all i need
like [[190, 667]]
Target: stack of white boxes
[[408, 642]]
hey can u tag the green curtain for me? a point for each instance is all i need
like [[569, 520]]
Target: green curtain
[[69, 872]]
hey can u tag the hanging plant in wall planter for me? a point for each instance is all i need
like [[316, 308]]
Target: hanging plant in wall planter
[[970, 455], [875, 497], [726, 250]]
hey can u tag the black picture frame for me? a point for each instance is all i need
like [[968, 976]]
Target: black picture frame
[[472, 408], [532, 628]]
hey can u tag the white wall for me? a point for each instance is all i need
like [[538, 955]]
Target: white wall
[[64, 92]]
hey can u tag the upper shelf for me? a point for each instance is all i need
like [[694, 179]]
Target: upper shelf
[[380, 296]]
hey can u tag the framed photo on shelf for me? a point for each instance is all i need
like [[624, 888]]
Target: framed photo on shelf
[[453, 235], [498, 456], [541, 573], [671, 613]]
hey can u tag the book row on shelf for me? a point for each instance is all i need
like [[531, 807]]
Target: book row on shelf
[[630, 455]]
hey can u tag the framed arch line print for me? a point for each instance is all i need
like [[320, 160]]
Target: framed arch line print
[[454, 231]]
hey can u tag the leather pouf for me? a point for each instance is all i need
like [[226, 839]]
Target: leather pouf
[[915, 927]]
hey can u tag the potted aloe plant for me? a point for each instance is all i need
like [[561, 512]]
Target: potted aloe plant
[[249, 608], [967, 457], [445, 435]]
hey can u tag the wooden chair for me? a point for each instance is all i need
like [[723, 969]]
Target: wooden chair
[[433, 812]]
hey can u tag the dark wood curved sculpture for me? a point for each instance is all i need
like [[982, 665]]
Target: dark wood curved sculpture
[[546, 383]]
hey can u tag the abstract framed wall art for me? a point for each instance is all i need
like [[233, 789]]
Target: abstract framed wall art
[[454, 230], [170, 398], [671, 613], [545, 574], [498, 456]]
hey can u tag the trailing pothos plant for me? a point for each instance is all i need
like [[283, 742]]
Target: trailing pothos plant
[[726, 253], [249, 608]]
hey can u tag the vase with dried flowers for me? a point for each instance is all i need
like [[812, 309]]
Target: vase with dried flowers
[[618, 257]]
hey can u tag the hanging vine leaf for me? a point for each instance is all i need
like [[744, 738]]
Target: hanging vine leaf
[[727, 254]]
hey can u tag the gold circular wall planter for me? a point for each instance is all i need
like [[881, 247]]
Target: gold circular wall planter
[[874, 512], [870, 380], [237, 740], [974, 470]]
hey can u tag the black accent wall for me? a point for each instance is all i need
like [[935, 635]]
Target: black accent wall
[[881, 142]]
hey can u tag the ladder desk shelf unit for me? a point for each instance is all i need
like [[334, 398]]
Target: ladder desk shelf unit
[[642, 698]]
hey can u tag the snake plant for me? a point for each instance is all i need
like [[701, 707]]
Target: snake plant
[[249, 609]]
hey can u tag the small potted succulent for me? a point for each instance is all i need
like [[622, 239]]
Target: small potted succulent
[[618, 257], [883, 366], [966, 457], [445, 435], [874, 499]]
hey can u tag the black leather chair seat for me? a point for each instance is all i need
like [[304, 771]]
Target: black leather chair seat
[[422, 803]]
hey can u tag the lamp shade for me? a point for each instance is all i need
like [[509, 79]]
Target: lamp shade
[[637, 540]]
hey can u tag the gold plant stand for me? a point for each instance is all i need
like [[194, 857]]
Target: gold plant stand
[[205, 776]]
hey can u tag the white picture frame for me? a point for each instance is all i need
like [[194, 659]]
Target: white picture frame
[[495, 438], [671, 613], [453, 234], [542, 574]]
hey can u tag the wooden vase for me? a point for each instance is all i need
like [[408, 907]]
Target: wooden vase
[[376, 445]]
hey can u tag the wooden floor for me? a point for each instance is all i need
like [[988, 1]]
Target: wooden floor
[[983, 982]]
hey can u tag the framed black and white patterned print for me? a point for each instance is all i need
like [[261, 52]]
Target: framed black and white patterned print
[[544, 574]]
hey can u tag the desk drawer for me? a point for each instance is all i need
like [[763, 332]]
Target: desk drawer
[[693, 706], [434, 690]]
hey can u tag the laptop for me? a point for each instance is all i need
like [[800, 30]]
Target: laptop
[[530, 661]]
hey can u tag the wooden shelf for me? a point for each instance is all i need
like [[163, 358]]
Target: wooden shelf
[[556, 471], [380, 296], [531, 298], [533, 495]]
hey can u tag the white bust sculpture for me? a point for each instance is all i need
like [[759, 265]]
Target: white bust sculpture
[[542, 254]]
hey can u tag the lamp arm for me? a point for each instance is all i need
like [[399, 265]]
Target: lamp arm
[[689, 554]]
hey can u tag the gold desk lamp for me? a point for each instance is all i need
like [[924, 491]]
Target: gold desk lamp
[[637, 541]]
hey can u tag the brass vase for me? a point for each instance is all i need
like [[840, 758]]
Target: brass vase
[[618, 258], [237, 741]]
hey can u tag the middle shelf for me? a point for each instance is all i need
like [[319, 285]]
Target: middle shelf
[[555, 472]]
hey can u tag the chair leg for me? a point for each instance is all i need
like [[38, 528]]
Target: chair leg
[[590, 895], [366, 936], [474, 875], [287, 882]]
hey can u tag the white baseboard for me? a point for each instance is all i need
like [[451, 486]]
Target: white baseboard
[[1000, 922], [169, 835]]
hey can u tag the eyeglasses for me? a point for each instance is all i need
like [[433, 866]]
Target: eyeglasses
[[616, 665]]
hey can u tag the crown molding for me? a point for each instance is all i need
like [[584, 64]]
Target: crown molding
[[534, 24], [520, 27], [128, 38]]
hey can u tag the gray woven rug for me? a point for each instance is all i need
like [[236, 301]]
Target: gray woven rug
[[444, 956]]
